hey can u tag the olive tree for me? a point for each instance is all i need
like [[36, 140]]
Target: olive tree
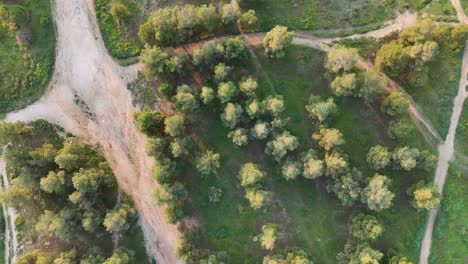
[[378, 157], [328, 138], [396, 103], [274, 105], [313, 167], [208, 163], [249, 21], [280, 145], [424, 196], [276, 41], [344, 84], [376, 195], [174, 125], [257, 198], [248, 86], [268, 236], [226, 90], [321, 110], [406, 157], [239, 137], [365, 227], [260, 130], [251, 174], [232, 115], [341, 59], [291, 169], [207, 94]]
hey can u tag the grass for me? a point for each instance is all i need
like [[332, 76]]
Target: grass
[[26, 72], [309, 217], [440, 8], [450, 233], [133, 239], [2, 236], [318, 14], [436, 97], [461, 137]]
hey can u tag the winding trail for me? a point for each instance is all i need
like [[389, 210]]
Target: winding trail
[[446, 150], [88, 97]]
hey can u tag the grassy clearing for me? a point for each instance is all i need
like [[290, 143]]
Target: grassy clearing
[[318, 14], [441, 8], [309, 217], [436, 98], [26, 68], [450, 238]]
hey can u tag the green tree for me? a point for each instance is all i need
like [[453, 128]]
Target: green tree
[[406, 157], [207, 55], [328, 138], [360, 253], [248, 86], [378, 157], [277, 41], [251, 174], [120, 12], [174, 125], [274, 104], [344, 84], [260, 130], [370, 84], [392, 58], [15, 133], [229, 13], [121, 255], [208, 163], [234, 49], [348, 187], [395, 104], [226, 91], [232, 115], [89, 180], [336, 163], [156, 147], [54, 182], [154, 61], [424, 196], [150, 122], [268, 236], [291, 169], [321, 110], [341, 59], [249, 21], [221, 72], [399, 260], [257, 198], [43, 156], [313, 167], [400, 129], [179, 147], [163, 170], [254, 108], [208, 17], [185, 98], [239, 137], [376, 194], [207, 94], [117, 220], [365, 227], [280, 145]]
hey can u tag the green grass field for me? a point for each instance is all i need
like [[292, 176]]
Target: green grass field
[[440, 8], [309, 217], [24, 79], [461, 137], [318, 14], [450, 236]]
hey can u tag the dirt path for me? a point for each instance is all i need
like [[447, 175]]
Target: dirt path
[[446, 151], [9, 214], [460, 14], [89, 98]]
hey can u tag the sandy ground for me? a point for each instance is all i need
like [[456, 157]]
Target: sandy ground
[[85, 72]]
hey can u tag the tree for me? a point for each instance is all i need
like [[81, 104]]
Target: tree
[[251, 174], [458, 36], [392, 58], [276, 41], [187, 19], [249, 21], [66, 257], [89, 180], [156, 147], [378, 157], [221, 72], [179, 147], [61, 224], [370, 84], [231, 115], [348, 187], [290, 256], [336, 163], [427, 160], [341, 59], [260, 130], [16, 196], [170, 194], [173, 213], [150, 122], [91, 221], [254, 108], [365, 227], [117, 220], [206, 56], [43, 156], [400, 129], [248, 86], [376, 194], [234, 49], [163, 170], [121, 255], [328, 138], [344, 84], [54, 182], [239, 137], [257, 198], [120, 12], [424, 196], [395, 104], [208, 163], [313, 167], [229, 13], [406, 157], [207, 94], [280, 145], [399, 260], [291, 169], [166, 91], [268, 236], [274, 104], [185, 99], [359, 253], [174, 125], [15, 133], [321, 110], [154, 61], [208, 17], [226, 91]]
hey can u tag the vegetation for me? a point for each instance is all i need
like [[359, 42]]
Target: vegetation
[[69, 191], [27, 46]]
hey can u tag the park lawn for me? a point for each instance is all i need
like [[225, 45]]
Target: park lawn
[[318, 14], [309, 217], [436, 98], [449, 244], [24, 79]]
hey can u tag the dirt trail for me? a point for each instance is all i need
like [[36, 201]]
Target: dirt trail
[[89, 98], [9, 214], [460, 14], [446, 151]]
